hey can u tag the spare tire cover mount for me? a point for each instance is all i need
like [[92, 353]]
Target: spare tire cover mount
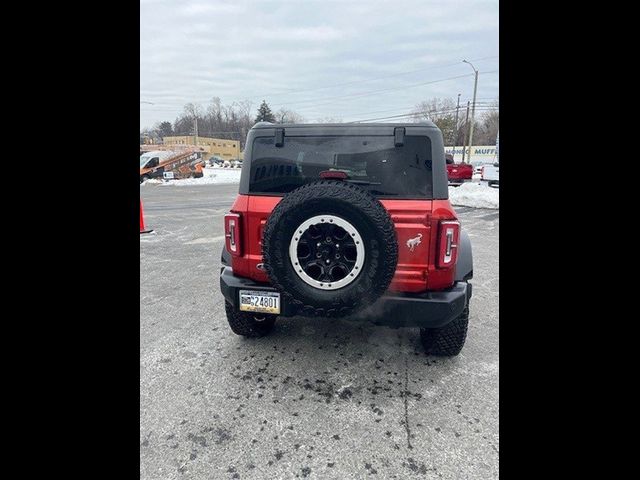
[[335, 267]]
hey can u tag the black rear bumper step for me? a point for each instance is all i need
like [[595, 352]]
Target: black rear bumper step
[[425, 310]]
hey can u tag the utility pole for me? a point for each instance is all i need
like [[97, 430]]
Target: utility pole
[[195, 130], [464, 140], [455, 135], [473, 109]]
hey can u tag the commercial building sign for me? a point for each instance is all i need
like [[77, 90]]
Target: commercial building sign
[[481, 153]]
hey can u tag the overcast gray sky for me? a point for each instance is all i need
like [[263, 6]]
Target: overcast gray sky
[[318, 58]]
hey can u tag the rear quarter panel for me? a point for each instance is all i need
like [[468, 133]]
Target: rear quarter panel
[[412, 220]]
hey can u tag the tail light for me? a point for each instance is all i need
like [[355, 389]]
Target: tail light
[[482, 173], [449, 233], [232, 233]]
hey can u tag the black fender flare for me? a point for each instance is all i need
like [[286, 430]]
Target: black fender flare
[[464, 265]]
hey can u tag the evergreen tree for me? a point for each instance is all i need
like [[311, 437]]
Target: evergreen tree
[[265, 114], [164, 129]]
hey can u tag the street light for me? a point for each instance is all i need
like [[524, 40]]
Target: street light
[[473, 108]]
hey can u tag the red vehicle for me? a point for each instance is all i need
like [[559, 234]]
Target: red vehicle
[[336, 220], [458, 173]]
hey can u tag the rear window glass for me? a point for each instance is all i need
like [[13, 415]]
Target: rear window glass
[[373, 162]]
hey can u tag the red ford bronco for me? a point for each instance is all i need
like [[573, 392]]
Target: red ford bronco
[[347, 219]]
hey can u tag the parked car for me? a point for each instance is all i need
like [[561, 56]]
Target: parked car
[[216, 161], [458, 173], [477, 169], [335, 220], [491, 174]]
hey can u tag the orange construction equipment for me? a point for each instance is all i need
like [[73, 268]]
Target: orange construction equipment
[[181, 164], [142, 228]]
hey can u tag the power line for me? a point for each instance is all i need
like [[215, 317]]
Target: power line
[[480, 104], [416, 113], [367, 80], [483, 108], [364, 94], [174, 109], [373, 92], [355, 95]]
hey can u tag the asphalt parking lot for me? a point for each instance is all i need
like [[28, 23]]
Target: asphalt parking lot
[[317, 398]]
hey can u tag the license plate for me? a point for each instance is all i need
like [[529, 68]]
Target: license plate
[[262, 302]]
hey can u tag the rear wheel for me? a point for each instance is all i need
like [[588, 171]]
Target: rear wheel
[[249, 324], [448, 340]]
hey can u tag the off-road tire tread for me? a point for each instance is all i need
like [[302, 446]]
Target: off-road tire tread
[[244, 324], [446, 341]]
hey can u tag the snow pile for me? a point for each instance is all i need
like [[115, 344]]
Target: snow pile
[[221, 172], [211, 176], [476, 195], [151, 181]]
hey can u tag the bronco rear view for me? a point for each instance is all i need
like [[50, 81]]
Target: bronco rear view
[[347, 219]]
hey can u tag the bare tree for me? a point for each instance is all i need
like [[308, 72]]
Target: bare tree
[[489, 124], [216, 120], [328, 120], [288, 116], [442, 112]]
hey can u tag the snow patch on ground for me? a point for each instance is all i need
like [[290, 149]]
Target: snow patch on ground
[[212, 176], [476, 195], [212, 171], [151, 181]]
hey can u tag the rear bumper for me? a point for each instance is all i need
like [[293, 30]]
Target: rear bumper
[[425, 310]]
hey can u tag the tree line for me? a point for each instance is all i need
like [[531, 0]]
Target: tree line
[[219, 121], [442, 112], [234, 121]]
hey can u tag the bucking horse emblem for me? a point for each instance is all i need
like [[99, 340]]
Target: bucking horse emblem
[[414, 242]]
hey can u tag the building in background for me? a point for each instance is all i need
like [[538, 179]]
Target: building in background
[[479, 154], [212, 147], [147, 139]]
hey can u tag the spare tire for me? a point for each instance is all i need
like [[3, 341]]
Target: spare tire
[[330, 248]]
